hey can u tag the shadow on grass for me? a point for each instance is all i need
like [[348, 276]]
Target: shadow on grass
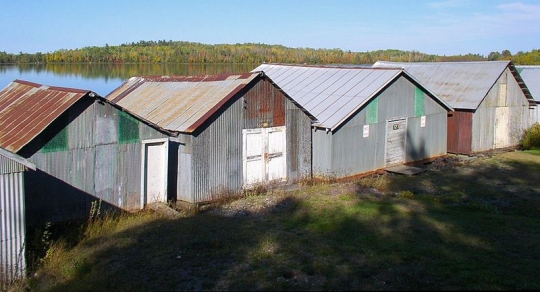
[[465, 227]]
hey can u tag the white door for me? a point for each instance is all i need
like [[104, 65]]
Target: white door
[[275, 162], [395, 141], [154, 171], [264, 153], [502, 127], [253, 153]]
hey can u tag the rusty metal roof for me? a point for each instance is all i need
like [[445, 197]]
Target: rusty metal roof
[[332, 93], [178, 103], [464, 85], [531, 76], [27, 108]]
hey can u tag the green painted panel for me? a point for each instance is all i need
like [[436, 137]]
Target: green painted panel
[[419, 102], [58, 142], [372, 112], [128, 129]]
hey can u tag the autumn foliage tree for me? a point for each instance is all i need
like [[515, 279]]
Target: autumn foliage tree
[[162, 52]]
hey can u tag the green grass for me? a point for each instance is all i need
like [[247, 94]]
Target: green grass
[[474, 226]]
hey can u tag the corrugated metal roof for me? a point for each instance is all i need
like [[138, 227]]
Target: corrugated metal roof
[[9, 159], [331, 93], [462, 84], [27, 108], [531, 76], [178, 103]]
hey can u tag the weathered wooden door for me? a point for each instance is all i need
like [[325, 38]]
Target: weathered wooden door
[[396, 130], [154, 171], [264, 155]]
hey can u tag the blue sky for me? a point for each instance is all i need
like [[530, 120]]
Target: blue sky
[[443, 27]]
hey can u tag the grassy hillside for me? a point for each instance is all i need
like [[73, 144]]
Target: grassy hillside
[[463, 224]]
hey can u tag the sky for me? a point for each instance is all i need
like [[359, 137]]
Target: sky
[[441, 27]]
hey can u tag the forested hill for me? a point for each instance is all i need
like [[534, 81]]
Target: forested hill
[[248, 53]]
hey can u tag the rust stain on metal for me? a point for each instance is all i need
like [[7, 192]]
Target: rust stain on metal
[[279, 110], [27, 108], [178, 103], [265, 105]]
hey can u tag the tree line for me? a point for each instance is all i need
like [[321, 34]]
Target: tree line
[[181, 52]]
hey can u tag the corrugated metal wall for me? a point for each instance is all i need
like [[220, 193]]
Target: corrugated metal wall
[[12, 221], [322, 153], [353, 154], [102, 160], [216, 154], [534, 115], [299, 160], [485, 118]]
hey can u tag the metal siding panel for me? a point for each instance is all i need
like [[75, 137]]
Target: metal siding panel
[[80, 130], [531, 76], [217, 155], [54, 163], [298, 126], [81, 167], [185, 183], [12, 227], [534, 115], [322, 153], [352, 153], [106, 125], [146, 132], [128, 177], [293, 139], [429, 141], [105, 171], [483, 129], [397, 100], [8, 165]]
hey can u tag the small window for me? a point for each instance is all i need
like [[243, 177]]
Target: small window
[[128, 129]]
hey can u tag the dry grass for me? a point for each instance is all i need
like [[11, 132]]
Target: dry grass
[[450, 228]]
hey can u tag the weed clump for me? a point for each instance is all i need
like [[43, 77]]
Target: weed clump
[[531, 138]]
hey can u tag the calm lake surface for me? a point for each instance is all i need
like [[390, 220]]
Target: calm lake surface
[[103, 78]]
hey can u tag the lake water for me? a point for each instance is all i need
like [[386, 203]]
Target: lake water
[[103, 78]]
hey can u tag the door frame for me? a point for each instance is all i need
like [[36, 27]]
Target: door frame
[[144, 164]]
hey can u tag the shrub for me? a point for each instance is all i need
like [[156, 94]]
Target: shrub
[[531, 137]]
